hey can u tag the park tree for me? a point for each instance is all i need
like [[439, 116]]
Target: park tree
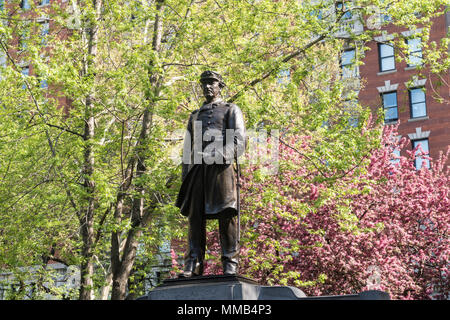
[[382, 226], [90, 131]]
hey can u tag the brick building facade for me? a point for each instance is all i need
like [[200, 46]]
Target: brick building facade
[[407, 94]]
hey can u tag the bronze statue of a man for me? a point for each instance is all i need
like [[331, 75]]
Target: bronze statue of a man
[[215, 138]]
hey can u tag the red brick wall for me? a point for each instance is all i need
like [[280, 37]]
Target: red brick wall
[[438, 113], [20, 57]]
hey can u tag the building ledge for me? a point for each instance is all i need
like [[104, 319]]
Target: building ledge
[[386, 72], [419, 134], [410, 68], [418, 119]]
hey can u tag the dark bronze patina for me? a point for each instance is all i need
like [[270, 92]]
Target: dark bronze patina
[[210, 189]]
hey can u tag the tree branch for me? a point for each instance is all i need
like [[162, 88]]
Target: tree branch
[[274, 69], [5, 50], [64, 129], [286, 59], [27, 192], [102, 220]]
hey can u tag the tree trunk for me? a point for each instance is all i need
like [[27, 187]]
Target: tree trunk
[[104, 292], [88, 213], [123, 267]]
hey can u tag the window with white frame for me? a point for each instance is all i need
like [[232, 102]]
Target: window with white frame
[[390, 106], [348, 65], [424, 149], [417, 102], [395, 157], [414, 52], [350, 107], [45, 30], [387, 57], [26, 70], [25, 4]]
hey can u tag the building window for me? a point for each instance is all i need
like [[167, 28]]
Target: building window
[[284, 77], [417, 102], [44, 2], [350, 108], [385, 6], [395, 157], [25, 4], [387, 58], [25, 72], [2, 63], [414, 52], [385, 18], [43, 84], [45, 27], [24, 36], [420, 162], [45, 30], [340, 7], [318, 13], [390, 106], [349, 68], [22, 43], [23, 40]]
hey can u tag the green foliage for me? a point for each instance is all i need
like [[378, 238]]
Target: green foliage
[[43, 193]]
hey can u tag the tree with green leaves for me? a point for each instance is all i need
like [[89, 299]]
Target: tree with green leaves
[[88, 131]]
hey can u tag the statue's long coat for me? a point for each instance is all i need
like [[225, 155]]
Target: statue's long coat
[[214, 184]]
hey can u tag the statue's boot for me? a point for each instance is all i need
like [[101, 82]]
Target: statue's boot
[[195, 254], [230, 267], [192, 268], [228, 232]]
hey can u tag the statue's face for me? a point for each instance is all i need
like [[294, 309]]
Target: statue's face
[[211, 89]]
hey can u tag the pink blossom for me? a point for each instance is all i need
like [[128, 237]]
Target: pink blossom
[[327, 237]]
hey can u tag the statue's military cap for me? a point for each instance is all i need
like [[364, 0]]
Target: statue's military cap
[[212, 75]]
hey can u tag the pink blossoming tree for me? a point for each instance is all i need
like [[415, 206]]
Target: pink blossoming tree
[[381, 225]]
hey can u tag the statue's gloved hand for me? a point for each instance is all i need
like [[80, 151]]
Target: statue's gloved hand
[[208, 157], [215, 156]]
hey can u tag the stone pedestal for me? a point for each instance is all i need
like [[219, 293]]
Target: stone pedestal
[[227, 287]]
